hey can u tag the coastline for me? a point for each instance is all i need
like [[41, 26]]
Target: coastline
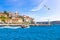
[[24, 24]]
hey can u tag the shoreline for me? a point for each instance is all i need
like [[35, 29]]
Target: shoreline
[[24, 24]]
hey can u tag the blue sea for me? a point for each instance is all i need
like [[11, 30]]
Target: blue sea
[[51, 32]]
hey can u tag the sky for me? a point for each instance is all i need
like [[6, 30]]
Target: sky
[[33, 8]]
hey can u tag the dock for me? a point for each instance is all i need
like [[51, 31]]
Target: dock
[[24, 24], [39, 24]]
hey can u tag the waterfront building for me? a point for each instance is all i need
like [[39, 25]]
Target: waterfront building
[[17, 20], [8, 21], [28, 19], [2, 14], [13, 15]]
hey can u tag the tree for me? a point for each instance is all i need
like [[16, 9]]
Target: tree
[[5, 12], [3, 17]]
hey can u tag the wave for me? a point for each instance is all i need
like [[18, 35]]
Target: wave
[[12, 27]]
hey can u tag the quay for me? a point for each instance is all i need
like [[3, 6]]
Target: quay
[[24, 24], [40, 24]]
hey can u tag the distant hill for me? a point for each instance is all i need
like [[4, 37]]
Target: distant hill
[[55, 22], [41, 22], [52, 22]]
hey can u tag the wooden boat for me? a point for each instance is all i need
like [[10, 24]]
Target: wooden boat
[[24, 26]]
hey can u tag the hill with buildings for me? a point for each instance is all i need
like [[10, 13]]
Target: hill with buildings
[[15, 18]]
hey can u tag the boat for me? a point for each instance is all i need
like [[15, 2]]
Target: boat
[[24, 26]]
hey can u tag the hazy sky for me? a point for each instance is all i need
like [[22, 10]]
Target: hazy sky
[[33, 8]]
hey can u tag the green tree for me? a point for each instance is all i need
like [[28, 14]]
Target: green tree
[[5, 12], [3, 18]]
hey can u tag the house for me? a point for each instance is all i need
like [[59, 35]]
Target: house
[[17, 20], [28, 19], [1, 21], [8, 21], [14, 21], [13, 15], [2, 14]]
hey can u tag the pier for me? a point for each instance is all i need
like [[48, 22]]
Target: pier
[[24, 24]]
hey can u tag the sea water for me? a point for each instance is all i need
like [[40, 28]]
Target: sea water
[[51, 32]]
